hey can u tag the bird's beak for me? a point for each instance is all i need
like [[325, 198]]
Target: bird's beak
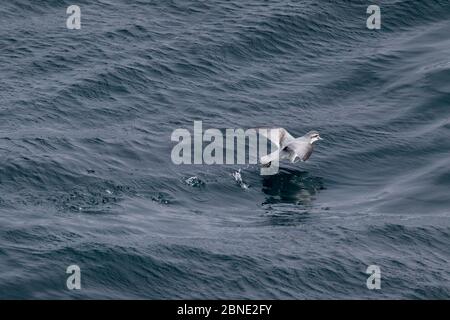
[[320, 138]]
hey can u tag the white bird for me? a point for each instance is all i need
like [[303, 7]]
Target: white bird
[[289, 147]]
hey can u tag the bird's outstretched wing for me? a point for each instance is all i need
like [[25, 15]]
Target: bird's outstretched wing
[[279, 136]]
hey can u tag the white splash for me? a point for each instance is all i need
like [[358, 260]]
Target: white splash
[[238, 177], [194, 182]]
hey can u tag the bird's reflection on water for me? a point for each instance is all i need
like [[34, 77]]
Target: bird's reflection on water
[[287, 188], [291, 186]]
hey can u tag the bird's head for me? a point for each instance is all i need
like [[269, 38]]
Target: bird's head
[[313, 136]]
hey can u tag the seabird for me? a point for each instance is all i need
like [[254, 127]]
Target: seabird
[[291, 148]]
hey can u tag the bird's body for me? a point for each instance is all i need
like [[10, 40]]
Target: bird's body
[[289, 147]]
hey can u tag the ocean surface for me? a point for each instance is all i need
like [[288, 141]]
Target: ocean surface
[[86, 176]]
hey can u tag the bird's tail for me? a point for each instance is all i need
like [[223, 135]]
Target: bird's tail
[[267, 159]]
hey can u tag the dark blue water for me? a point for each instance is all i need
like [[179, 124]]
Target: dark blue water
[[85, 170]]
